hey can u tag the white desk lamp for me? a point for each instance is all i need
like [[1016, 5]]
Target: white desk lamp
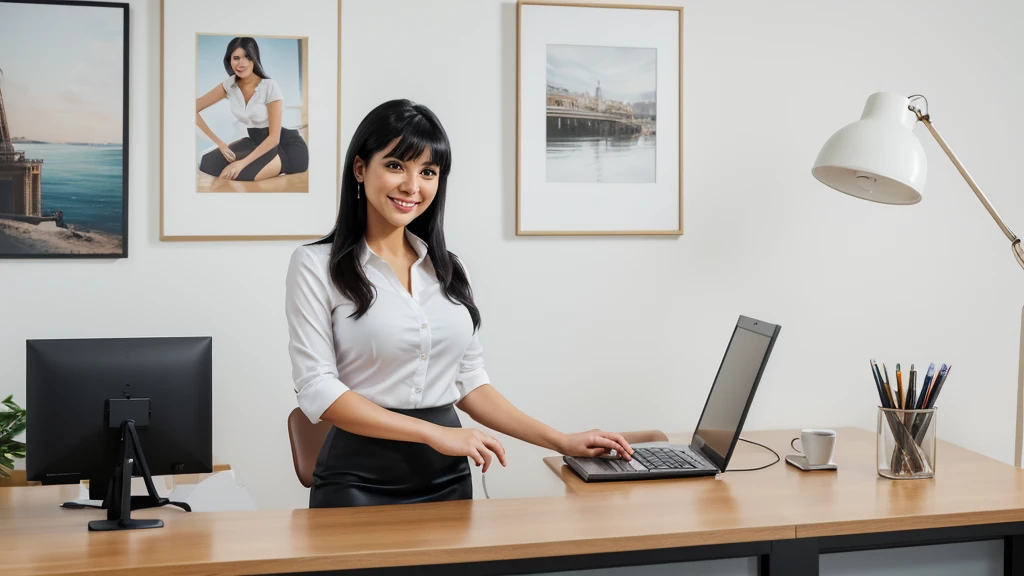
[[878, 158]]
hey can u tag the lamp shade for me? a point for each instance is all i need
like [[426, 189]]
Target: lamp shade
[[876, 158]]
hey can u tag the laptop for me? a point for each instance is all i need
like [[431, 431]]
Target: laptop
[[719, 426]]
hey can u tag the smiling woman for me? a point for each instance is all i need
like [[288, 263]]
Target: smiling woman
[[256, 101], [383, 332]]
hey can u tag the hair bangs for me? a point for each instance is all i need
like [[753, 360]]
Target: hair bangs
[[416, 137]]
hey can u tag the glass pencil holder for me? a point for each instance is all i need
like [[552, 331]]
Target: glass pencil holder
[[906, 443]]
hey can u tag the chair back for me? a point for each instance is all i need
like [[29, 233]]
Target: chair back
[[306, 439], [640, 436]]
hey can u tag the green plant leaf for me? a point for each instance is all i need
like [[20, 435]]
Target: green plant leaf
[[12, 423], [18, 428]]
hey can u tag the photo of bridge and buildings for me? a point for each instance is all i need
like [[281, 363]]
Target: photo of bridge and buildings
[[601, 114]]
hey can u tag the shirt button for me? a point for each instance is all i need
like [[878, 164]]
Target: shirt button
[[423, 356], [423, 326], [418, 390]]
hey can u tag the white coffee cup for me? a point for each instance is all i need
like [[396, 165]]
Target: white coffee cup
[[817, 445]]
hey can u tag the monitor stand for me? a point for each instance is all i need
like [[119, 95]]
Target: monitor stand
[[119, 502]]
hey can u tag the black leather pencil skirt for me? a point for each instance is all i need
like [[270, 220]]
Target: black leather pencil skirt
[[291, 149], [354, 470]]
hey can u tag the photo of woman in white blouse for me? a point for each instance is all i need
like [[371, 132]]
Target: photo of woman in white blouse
[[256, 102], [383, 333]]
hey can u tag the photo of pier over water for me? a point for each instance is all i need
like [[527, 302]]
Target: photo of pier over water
[[601, 114]]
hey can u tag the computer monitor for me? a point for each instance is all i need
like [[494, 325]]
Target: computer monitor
[[82, 393]]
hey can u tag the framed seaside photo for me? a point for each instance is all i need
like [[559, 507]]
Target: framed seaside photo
[[599, 134], [249, 120], [63, 129]]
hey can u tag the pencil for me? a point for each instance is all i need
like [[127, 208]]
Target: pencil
[[899, 388], [878, 384], [888, 389]]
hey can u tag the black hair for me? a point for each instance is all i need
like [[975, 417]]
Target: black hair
[[252, 52], [417, 129]]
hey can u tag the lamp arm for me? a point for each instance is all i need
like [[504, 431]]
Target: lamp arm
[[1018, 447], [1014, 241]]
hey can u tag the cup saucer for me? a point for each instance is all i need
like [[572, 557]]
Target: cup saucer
[[800, 461]]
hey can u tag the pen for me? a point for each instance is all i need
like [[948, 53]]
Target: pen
[[911, 389], [915, 423], [924, 386], [933, 393], [901, 399], [908, 404], [919, 430]]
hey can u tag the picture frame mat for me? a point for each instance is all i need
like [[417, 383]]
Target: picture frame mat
[[616, 209], [188, 215]]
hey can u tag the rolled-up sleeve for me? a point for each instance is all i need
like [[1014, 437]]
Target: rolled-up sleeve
[[311, 335], [471, 369]]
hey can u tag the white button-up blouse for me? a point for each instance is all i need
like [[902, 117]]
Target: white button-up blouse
[[410, 350]]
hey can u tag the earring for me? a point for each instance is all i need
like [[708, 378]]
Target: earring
[[359, 186]]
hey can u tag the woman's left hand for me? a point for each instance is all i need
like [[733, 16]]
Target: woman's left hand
[[596, 443], [232, 170]]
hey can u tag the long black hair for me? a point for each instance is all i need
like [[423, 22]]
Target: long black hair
[[417, 129], [252, 52]]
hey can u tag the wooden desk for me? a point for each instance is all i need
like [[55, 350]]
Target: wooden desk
[[783, 516], [971, 498]]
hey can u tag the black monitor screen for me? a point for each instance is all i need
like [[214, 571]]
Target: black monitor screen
[[70, 383], [734, 386]]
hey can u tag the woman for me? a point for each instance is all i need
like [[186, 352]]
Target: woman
[[256, 102], [383, 333]]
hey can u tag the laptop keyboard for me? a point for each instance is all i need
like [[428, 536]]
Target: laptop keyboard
[[664, 459]]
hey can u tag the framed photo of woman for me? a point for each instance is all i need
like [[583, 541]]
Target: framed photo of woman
[[249, 120]]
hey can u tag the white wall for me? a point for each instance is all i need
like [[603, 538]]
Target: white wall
[[626, 333]]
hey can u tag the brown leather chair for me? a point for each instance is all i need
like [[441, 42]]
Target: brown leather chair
[[306, 439]]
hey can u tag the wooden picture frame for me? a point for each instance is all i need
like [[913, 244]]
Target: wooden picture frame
[[599, 161], [226, 210]]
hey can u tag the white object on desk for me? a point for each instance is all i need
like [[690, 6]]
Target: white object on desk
[[217, 493], [817, 445], [800, 461]]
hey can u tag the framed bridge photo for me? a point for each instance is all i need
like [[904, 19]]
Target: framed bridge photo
[[599, 120]]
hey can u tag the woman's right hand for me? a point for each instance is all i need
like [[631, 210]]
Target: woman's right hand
[[468, 442], [228, 153]]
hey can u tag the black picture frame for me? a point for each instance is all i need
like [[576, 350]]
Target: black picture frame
[[125, 161]]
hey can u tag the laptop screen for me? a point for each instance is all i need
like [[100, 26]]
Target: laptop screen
[[733, 390]]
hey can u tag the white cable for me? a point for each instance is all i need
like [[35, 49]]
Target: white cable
[[483, 479]]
